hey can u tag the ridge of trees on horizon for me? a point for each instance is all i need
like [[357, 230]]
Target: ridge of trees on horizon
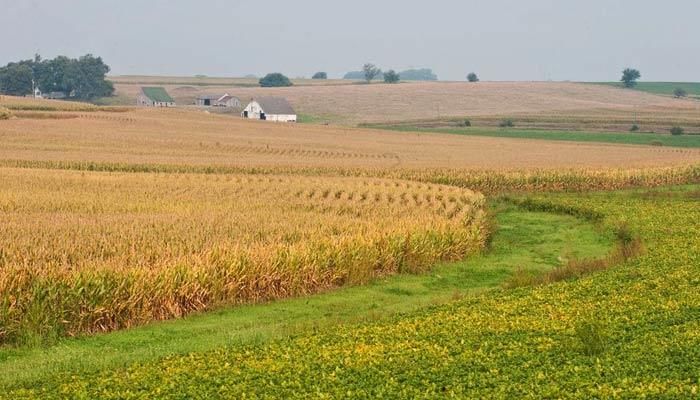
[[83, 78]]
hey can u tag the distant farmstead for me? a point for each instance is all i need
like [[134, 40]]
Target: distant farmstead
[[275, 109], [218, 100], [154, 97]]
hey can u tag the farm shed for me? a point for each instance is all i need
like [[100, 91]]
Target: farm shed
[[225, 100], [154, 97], [275, 109]]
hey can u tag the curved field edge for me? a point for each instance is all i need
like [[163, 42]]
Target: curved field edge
[[628, 332], [148, 247], [485, 181], [537, 241]]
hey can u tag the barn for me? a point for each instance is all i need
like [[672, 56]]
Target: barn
[[154, 97], [225, 100], [275, 109]]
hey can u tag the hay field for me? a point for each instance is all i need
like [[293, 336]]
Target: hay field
[[354, 104], [189, 137]]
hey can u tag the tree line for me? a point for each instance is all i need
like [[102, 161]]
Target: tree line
[[81, 78]]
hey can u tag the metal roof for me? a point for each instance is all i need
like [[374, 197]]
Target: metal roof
[[157, 94], [275, 105]]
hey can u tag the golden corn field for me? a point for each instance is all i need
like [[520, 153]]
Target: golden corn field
[[90, 252]]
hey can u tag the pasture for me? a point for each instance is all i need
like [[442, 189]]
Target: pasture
[[664, 88]]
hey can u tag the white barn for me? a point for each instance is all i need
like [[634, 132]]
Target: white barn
[[275, 109]]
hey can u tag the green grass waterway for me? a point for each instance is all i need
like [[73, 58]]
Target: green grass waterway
[[634, 138], [530, 240]]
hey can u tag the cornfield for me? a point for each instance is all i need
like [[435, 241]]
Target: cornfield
[[86, 252]]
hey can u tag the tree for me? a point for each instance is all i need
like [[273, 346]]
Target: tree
[[391, 76], [86, 78], [680, 92], [275, 80], [16, 79], [472, 77], [630, 77], [320, 75], [370, 71], [83, 78]]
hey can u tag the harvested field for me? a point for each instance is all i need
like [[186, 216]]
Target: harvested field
[[353, 104], [188, 137]]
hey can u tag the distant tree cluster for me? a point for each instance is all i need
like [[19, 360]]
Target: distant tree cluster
[[472, 77], [423, 74], [275, 79], [320, 75], [83, 78]]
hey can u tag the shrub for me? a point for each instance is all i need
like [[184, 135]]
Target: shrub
[[391, 76], [506, 123], [467, 123], [472, 77], [677, 131], [592, 337], [680, 92], [634, 128], [275, 80], [5, 113], [320, 75], [657, 143]]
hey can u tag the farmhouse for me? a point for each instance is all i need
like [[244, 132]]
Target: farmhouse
[[154, 97], [270, 109], [225, 100]]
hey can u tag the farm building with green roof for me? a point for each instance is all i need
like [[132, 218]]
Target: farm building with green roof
[[154, 97]]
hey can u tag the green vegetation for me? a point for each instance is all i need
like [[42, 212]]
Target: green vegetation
[[630, 77], [275, 80], [370, 72], [688, 141], [536, 241], [677, 131], [391, 76], [663, 88], [631, 331], [472, 77], [506, 123], [320, 75], [422, 74], [81, 79]]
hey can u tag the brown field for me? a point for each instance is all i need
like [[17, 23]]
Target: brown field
[[353, 104], [190, 137]]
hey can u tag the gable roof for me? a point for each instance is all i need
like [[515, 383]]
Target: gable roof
[[275, 105], [157, 94], [228, 97]]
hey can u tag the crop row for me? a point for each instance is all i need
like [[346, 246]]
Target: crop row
[[628, 332], [93, 252]]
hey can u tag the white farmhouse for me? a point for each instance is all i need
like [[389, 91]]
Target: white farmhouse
[[270, 109]]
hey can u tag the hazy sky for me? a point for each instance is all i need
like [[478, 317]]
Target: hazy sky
[[499, 39]]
